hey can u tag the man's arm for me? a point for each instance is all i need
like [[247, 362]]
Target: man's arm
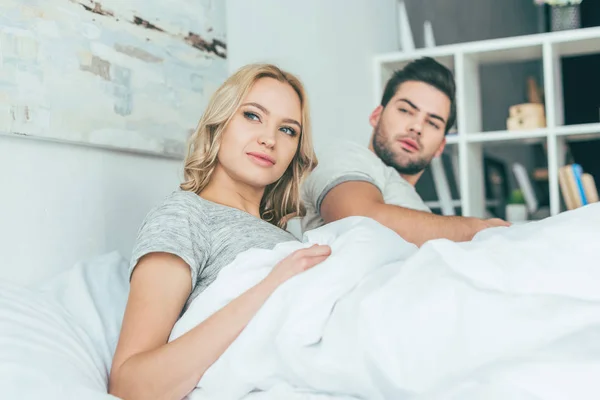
[[364, 199]]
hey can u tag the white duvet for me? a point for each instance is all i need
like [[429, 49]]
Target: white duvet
[[515, 313]]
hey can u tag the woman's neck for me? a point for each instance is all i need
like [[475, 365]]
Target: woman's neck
[[222, 189]]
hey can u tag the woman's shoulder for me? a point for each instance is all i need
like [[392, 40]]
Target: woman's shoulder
[[177, 226], [180, 201], [177, 210], [184, 197]]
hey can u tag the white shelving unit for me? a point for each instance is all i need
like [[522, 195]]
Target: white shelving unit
[[464, 60]]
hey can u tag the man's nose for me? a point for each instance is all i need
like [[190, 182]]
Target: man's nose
[[416, 126]]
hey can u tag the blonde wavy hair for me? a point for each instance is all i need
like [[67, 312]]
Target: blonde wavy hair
[[281, 199]]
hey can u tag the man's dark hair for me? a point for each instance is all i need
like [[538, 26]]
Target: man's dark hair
[[429, 71]]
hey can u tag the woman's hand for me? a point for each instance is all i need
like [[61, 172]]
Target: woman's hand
[[160, 286], [297, 262]]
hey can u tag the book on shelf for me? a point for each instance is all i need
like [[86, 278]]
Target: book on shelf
[[577, 187]]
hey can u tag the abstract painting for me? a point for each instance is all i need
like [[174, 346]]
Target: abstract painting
[[125, 74]]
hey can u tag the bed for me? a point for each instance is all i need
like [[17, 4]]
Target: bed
[[515, 313]]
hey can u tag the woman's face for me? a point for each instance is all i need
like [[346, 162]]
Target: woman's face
[[261, 139]]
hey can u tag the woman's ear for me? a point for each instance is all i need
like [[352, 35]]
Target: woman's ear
[[375, 115]]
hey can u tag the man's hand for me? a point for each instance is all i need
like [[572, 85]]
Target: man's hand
[[477, 225], [364, 199], [495, 222]]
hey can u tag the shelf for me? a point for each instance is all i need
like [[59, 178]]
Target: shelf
[[466, 61], [571, 46], [570, 133], [452, 139], [579, 132], [503, 137], [396, 61], [503, 55], [506, 50]]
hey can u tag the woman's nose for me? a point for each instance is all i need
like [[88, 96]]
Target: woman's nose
[[267, 139]]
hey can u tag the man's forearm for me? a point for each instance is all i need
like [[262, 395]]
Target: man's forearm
[[418, 226], [364, 199]]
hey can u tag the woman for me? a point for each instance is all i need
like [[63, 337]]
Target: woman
[[245, 163]]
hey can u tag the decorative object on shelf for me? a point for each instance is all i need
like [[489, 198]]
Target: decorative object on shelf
[[589, 187], [540, 174], [564, 14], [577, 187], [529, 115], [516, 209], [535, 94], [526, 116], [526, 188], [428, 34], [566, 17], [405, 37]]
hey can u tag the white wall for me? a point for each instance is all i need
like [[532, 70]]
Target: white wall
[[61, 204], [328, 44], [95, 76]]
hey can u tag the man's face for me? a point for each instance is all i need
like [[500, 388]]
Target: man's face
[[410, 131]]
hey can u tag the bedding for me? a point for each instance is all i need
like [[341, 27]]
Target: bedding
[[57, 340], [515, 313]]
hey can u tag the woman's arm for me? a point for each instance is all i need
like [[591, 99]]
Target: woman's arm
[[145, 366]]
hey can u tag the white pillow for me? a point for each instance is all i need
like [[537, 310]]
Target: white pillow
[[57, 340]]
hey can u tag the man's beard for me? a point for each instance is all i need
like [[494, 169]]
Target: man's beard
[[411, 167]]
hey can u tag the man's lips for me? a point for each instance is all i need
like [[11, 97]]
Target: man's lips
[[409, 145]]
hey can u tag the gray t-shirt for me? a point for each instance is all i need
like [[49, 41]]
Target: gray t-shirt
[[348, 161], [206, 235]]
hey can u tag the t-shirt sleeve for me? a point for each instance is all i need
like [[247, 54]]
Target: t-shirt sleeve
[[174, 227], [343, 164]]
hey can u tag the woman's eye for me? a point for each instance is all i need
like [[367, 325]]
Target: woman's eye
[[288, 131], [251, 116], [403, 110]]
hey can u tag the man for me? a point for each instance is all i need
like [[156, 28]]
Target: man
[[409, 128]]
